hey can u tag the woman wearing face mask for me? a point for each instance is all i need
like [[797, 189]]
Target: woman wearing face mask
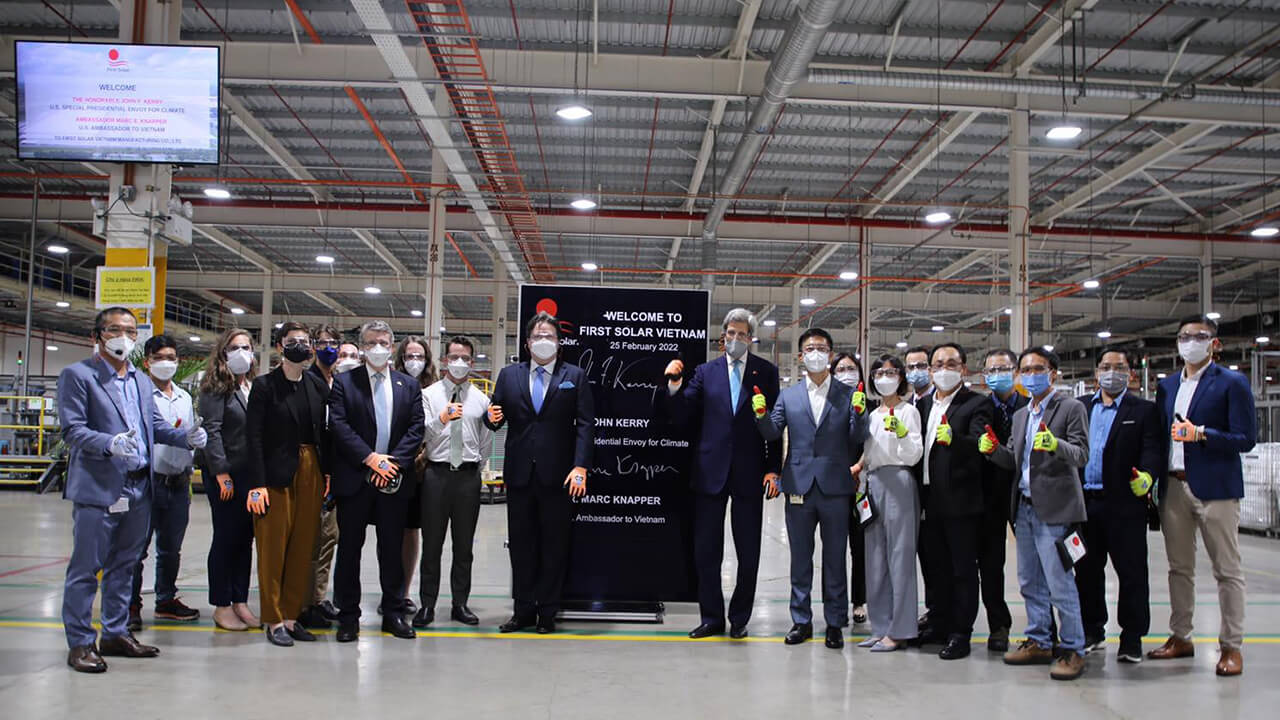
[[414, 359], [893, 446], [224, 399], [348, 359], [287, 439], [845, 369]]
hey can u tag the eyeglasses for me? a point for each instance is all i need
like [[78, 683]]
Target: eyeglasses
[[115, 330], [414, 356], [297, 342], [464, 358], [1190, 337], [1121, 367], [886, 373], [1034, 370], [1002, 369], [948, 365], [817, 348], [543, 336]]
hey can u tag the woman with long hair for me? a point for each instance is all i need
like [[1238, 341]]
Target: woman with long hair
[[413, 356], [845, 369], [224, 401]]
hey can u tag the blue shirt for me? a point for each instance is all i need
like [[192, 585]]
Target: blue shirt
[[1101, 418], [127, 386], [1034, 416]]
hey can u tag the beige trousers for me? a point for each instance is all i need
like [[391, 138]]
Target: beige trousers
[[1218, 521]]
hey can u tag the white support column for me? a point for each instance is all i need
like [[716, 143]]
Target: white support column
[[1206, 277], [433, 316], [268, 325], [498, 351], [864, 304], [1019, 201], [787, 364]]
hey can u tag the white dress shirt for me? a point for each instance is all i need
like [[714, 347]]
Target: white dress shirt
[[173, 407], [940, 407], [884, 447], [477, 439], [546, 379], [818, 396], [1181, 405]]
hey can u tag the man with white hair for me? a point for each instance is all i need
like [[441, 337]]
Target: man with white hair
[[377, 423], [731, 460]]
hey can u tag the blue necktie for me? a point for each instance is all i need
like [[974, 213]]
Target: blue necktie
[[735, 384], [381, 413], [539, 388]]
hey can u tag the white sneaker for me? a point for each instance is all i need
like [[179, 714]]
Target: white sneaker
[[1127, 658]]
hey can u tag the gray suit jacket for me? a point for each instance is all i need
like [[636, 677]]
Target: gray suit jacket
[[823, 451], [1056, 492]]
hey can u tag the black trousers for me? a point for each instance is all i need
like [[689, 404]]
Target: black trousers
[[231, 550], [1120, 534], [450, 500], [992, 542], [858, 566], [746, 513], [928, 568], [953, 550], [538, 518], [387, 513]]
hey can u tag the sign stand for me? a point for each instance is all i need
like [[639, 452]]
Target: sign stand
[[613, 611]]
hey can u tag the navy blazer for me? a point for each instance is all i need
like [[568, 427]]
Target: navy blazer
[[353, 427], [1223, 404], [727, 437], [1136, 440], [819, 452], [557, 439], [91, 414]]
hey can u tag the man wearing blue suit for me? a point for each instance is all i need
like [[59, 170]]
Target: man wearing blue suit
[[550, 440], [825, 440], [731, 461], [1210, 414], [377, 423], [111, 425]]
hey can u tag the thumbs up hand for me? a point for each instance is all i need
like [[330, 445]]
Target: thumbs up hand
[[1044, 441], [943, 435], [758, 404], [859, 400], [988, 443], [894, 424], [1141, 482]]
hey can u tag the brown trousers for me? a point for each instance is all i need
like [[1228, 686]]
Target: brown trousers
[[286, 538], [322, 558]]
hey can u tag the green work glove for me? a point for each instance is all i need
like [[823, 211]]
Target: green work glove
[[894, 424], [1141, 482], [1044, 441], [758, 404], [943, 435], [859, 400], [988, 443]]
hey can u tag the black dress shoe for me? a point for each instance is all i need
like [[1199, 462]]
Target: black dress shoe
[[86, 659], [394, 624], [515, 624], [313, 618], [409, 607], [799, 633], [737, 632], [998, 641], [125, 645], [957, 647], [329, 610], [424, 617], [463, 614], [546, 625], [348, 633], [706, 630], [835, 638], [279, 636], [299, 633]]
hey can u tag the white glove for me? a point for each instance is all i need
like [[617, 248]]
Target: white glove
[[196, 435], [125, 445]]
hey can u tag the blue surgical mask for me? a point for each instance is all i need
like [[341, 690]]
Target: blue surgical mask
[[1036, 384], [327, 355], [919, 379], [1000, 382]]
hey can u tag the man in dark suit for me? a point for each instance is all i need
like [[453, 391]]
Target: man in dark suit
[[952, 419], [824, 440], [732, 460], [377, 423], [549, 445], [1209, 411], [1126, 454], [999, 367]]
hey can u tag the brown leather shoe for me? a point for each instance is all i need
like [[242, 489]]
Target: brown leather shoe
[[126, 645], [86, 659], [1068, 666], [1028, 653], [1173, 648], [1230, 663]]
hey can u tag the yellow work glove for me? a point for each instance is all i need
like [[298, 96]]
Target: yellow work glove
[[988, 443], [894, 424], [1044, 441], [859, 400], [758, 404], [943, 434], [1141, 482]]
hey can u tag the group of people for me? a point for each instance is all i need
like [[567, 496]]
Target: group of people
[[927, 473], [921, 472]]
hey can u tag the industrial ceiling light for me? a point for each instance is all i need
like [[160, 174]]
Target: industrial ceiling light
[[1161, 376], [849, 275], [573, 112], [1262, 339], [1049, 348], [590, 266], [415, 312], [938, 328], [770, 323], [901, 344], [279, 325], [193, 338], [1066, 131], [1104, 334], [62, 304], [1265, 231], [1213, 315], [51, 348], [324, 259], [1234, 367], [217, 193], [1008, 311], [937, 216], [583, 203], [1090, 284], [482, 356], [237, 311], [373, 290], [58, 249], [442, 329], [807, 301]]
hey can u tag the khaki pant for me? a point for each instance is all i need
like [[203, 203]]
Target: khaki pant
[[322, 558], [1181, 514], [286, 537]]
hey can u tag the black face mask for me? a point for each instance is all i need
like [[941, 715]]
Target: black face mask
[[297, 353]]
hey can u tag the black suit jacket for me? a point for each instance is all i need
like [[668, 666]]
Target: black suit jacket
[[998, 480], [226, 452], [956, 471], [1136, 440], [273, 423], [557, 439], [355, 429]]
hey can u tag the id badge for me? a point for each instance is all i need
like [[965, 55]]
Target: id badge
[[866, 511], [120, 506], [796, 499]]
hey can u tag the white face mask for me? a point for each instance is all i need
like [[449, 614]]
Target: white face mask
[[120, 347], [848, 377], [887, 386], [345, 365], [543, 349], [815, 361], [1194, 351], [239, 361], [415, 367], [459, 369], [946, 379], [164, 369], [377, 356]]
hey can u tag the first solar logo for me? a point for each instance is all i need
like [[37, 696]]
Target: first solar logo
[[114, 60]]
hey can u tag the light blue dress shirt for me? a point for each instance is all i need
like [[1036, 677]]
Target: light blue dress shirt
[[1101, 418]]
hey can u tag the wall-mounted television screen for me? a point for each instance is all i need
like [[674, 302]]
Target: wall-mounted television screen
[[113, 102]]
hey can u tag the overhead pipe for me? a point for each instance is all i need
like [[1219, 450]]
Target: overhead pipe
[[799, 43], [962, 83]]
